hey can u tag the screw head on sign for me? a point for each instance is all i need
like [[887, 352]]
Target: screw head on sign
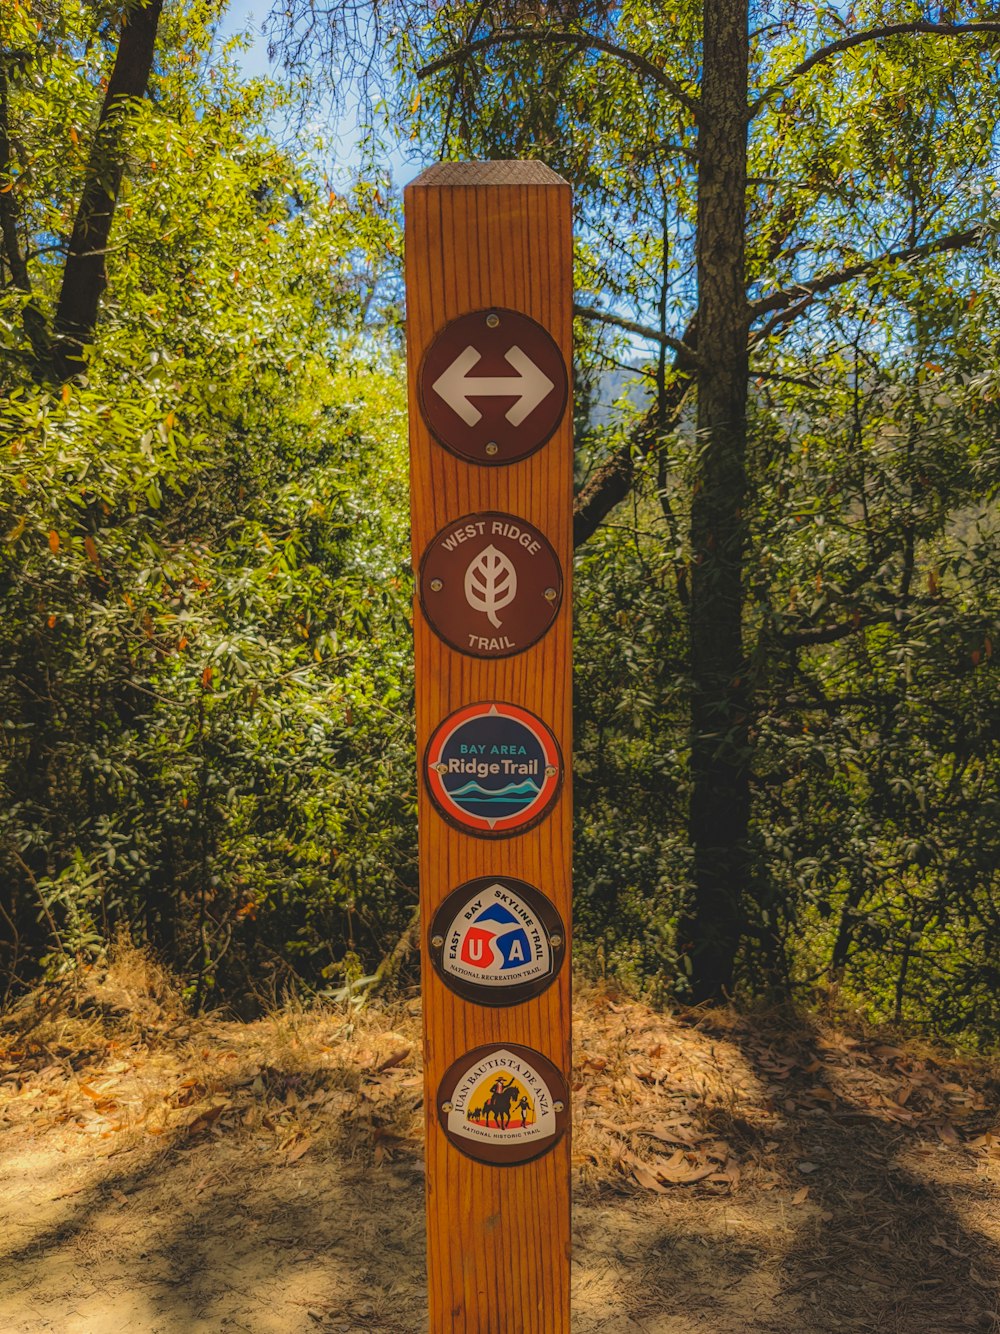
[[436, 585], [437, 941], [550, 594], [441, 768], [555, 941], [550, 769], [558, 1106], [447, 1107], [492, 448], [492, 320]]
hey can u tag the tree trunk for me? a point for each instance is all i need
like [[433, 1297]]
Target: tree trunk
[[720, 799], [12, 256], [85, 272]]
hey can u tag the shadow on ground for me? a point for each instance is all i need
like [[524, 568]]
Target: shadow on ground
[[299, 1206], [900, 1234]]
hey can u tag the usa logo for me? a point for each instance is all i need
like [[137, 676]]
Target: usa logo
[[497, 941]]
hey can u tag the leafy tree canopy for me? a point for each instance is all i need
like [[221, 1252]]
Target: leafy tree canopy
[[203, 580]]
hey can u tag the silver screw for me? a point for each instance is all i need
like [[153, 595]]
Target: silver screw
[[492, 321], [550, 594], [559, 1106], [492, 447], [436, 585], [550, 769], [447, 1107], [555, 941], [440, 768], [437, 941]]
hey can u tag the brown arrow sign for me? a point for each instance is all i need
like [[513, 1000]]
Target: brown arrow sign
[[493, 386]]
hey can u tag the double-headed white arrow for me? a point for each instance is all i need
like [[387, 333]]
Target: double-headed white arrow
[[457, 387]]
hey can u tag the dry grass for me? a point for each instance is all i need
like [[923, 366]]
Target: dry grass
[[733, 1173], [131, 999], [835, 1180]]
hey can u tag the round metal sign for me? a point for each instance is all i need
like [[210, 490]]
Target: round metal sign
[[493, 769], [503, 1104], [493, 386], [497, 941], [490, 585]]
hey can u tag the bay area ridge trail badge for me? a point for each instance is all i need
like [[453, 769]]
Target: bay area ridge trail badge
[[493, 386], [490, 585], [493, 769], [497, 941], [503, 1104]]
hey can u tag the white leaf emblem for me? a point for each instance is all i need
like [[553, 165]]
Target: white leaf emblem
[[490, 583]]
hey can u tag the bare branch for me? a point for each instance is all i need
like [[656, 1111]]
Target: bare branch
[[785, 316], [551, 37], [612, 481], [791, 301], [643, 330], [609, 485], [667, 146], [915, 27], [779, 377], [829, 634], [900, 613]]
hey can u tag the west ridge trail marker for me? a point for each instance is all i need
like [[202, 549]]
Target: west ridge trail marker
[[489, 344]]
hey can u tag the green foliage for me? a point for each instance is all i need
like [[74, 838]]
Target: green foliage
[[204, 584], [631, 861], [204, 578], [872, 523], [877, 611]]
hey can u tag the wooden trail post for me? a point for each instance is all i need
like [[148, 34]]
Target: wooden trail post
[[489, 329]]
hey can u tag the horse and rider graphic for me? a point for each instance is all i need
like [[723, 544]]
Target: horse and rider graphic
[[505, 1099]]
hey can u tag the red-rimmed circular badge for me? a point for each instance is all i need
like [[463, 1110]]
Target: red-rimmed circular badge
[[493, 769]]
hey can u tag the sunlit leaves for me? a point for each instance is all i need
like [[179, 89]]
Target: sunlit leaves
[[204, 596]]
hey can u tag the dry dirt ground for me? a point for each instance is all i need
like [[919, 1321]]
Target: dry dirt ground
[[163, 1175]]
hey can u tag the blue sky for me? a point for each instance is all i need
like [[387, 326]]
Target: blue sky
[[344, 132]]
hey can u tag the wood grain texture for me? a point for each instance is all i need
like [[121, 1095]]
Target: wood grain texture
[[498, 1238]]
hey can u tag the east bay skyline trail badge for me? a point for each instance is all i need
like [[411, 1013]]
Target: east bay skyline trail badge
[[493, 386], [493, 769], [497, 941], [503, 1104], [490, 584]]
